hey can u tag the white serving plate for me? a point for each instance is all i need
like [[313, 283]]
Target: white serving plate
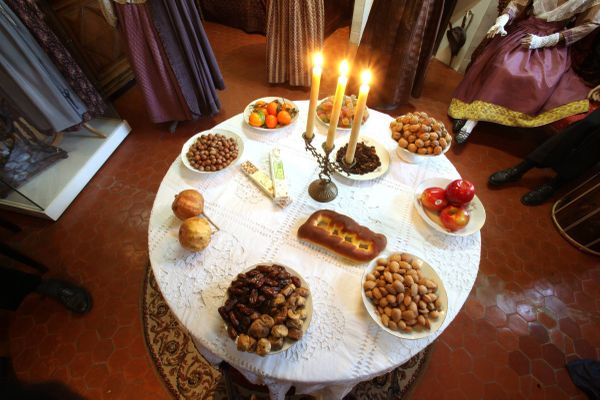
[[343, 130], [430, 273], [248, 111], [224, 132], [384, 157], [475, 208], [309, 308]]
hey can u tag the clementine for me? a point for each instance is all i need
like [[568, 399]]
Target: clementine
[[284, 117], [272, 108], [271, 121]]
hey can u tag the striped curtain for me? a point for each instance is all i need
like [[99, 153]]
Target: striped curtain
[[294, 32]]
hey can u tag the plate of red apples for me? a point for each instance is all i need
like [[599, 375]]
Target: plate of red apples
[[450, 206]]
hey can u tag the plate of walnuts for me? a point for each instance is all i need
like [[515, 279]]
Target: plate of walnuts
[[404, 296], [268, 309], [419, 137], [212, 151]]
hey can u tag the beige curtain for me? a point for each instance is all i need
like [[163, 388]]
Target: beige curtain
[[294, 31]]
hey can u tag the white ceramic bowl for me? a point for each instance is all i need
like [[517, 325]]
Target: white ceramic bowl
[[475, 208], [339, 129], [224, 132], [429, 273], [384, 157], [415, 158], [309, 307], [248, 111]]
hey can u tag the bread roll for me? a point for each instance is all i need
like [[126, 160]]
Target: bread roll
[[342, 235]]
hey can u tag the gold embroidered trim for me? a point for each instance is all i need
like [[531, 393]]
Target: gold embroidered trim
[[483, 111]]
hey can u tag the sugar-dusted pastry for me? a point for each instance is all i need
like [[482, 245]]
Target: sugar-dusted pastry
[[342, 235]]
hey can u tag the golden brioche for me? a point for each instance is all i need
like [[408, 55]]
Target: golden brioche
[[342, 235]]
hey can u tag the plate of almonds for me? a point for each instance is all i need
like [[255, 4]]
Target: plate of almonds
[[268, 309], [404, 296]]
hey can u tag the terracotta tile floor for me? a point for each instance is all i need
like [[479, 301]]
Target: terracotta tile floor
[[534, 305]]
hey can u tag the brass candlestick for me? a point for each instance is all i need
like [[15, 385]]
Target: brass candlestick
[[323, 189]]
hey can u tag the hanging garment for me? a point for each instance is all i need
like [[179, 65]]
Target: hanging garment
[[33, 18], [512, 85], [189, 52], [30, 81], [397, 45], [162, 94], [294, 32]]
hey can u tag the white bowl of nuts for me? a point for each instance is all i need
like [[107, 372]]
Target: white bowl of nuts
[[212, 151], [419, 137], [404, 296]]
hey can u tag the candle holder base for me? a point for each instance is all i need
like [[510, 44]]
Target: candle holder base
[[323, 190]]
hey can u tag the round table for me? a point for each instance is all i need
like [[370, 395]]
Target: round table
[[343, 346]]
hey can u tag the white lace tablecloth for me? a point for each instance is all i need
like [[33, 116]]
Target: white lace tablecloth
[[342, 346]]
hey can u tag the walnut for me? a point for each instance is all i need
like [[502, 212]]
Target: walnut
[[263, 347], [268, 320], [279, 331], [302, 291], [276, 343], [259, 329], [293, 324], [294, 334], [288, 290], [279, 299], [246, 343]]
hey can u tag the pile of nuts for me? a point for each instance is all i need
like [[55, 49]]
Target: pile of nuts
[[421, 134], [212, 152], [265, 306], [405, 299]]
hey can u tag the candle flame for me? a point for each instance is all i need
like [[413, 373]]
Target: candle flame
[[344, 68], [317, 59], [365, 77]]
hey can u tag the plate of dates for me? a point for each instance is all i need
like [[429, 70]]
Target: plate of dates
[[268, 309]]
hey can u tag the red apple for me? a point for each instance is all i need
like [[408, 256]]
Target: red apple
[[434, 198], [454, 218], [460, 192]]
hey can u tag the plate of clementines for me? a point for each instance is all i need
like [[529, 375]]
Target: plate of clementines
[[271, 114]]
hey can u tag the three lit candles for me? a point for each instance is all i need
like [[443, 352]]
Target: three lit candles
[[338, 101]]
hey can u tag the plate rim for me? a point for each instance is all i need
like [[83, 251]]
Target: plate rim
[[268, 99], [371, 310], [365, 177], [421, 211], [222, 131], [309, 306]]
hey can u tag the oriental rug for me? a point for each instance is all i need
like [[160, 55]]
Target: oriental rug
[[187, 375]]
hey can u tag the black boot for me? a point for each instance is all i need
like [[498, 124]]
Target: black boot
[[457, 125], [73, 297], [539, 195], [511, 174]]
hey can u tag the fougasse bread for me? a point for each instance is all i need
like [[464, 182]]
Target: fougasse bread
[[342, 235]]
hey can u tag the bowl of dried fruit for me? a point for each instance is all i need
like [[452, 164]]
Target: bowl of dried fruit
[[212, 151], [404, 296], [325, 107], [419, 137], [270, 114], [268, 309]]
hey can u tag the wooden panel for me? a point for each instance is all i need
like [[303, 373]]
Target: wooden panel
[[98, 44]]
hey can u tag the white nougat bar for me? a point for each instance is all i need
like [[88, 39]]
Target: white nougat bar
[[280, 188], [260, 179]]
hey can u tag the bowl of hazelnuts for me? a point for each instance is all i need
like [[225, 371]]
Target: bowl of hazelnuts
[[211, 151], [419, 137]]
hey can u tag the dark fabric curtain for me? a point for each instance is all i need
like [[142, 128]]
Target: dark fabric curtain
[[33, 18], [162, 94], [189, 52], [397, 45]]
